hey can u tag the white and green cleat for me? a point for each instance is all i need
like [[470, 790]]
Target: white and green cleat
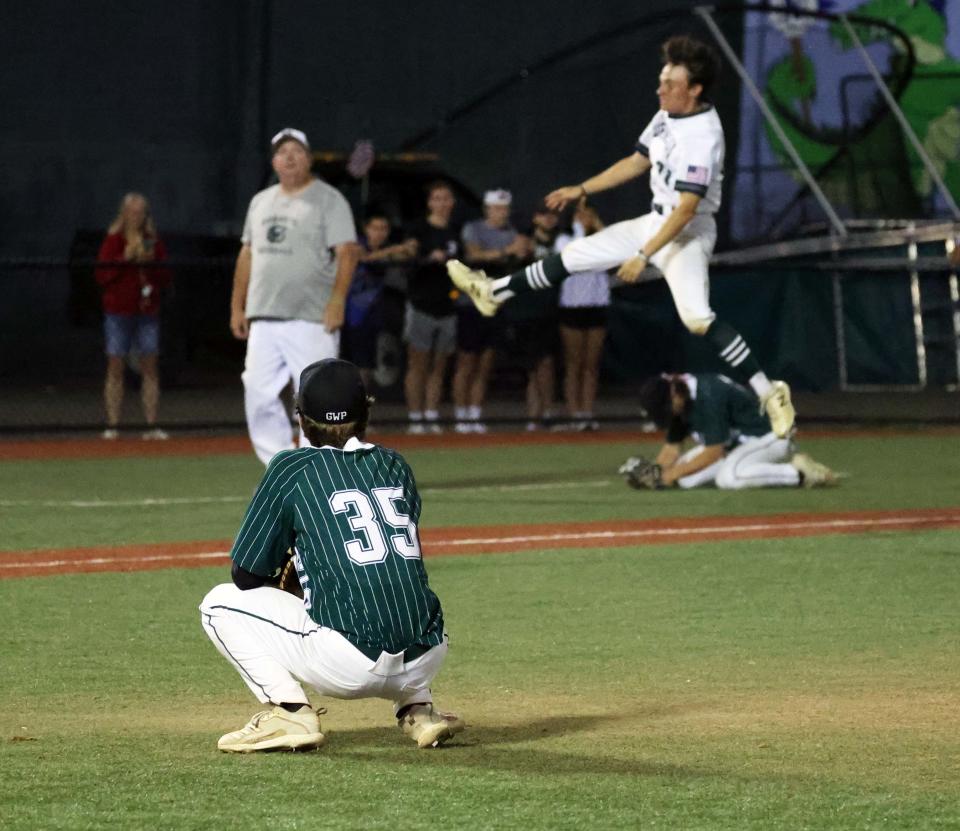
[[476, 285]]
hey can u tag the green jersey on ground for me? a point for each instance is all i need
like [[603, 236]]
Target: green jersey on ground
[[351, 518], [723, 410]]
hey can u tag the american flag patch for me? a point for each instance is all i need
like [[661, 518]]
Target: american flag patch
[[697, 175]]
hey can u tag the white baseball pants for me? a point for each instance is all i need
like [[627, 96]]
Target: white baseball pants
[[277, 352], [682, 262], [268, 636], [757, 462]]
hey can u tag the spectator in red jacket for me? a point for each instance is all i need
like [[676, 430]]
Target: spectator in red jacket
[[131, 282]]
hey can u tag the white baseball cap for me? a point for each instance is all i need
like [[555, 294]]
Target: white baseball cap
[[497, 197], [289, 133]]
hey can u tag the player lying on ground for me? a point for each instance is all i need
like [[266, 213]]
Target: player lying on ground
[[732, 444], [368, 624], [683, 148]]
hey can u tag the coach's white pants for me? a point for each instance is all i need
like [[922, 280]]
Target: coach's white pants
[[683, 262], [757, 462], [277, 352], [268, 636]]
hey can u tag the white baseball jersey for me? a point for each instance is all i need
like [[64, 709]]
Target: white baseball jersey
[[686, 154]]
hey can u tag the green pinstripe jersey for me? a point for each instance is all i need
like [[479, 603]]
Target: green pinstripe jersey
[[351, 518], [723, 410]]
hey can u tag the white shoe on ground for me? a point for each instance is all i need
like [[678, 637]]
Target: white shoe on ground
[[276, 729], [428, 727], [814, 473]]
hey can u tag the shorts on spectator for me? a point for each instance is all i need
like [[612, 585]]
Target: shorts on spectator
[[528, 342], [475, 333], [427, 333], [584, 317], [131, 333]]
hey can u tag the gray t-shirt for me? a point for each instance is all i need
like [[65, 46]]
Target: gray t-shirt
[[291, 239], [479, 233]]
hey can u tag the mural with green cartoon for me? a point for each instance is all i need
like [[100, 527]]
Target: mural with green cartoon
[[829, 107]]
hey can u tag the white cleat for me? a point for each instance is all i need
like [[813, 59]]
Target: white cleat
[[777, 405], [429, 728], [276, 729], [476, 285], [814, 473]]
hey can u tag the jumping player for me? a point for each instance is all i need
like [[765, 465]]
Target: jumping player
[[683, 148], [368, 625]]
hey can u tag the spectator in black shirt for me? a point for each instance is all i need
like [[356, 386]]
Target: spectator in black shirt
[[431, 325]]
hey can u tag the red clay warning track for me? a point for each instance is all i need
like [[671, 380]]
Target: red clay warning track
[[502, 539]]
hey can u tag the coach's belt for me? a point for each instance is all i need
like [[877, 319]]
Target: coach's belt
[[655, 207]]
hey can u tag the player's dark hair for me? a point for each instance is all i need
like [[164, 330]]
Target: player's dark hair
[[655, 400], [376, 212], [336, 435], [700, 59]]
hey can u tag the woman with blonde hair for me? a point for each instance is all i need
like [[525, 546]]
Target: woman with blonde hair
[[131, 281]]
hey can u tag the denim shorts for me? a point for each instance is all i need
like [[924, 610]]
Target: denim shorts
[[131, 333]]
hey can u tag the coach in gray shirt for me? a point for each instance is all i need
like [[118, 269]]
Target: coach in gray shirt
[[290, 286]]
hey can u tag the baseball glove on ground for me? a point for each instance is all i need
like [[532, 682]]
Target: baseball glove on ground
[[287, 578], [642, 474]]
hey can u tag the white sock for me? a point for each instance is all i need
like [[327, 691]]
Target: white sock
[[760, 384], [473, 412], [415, 415], [460, 413], [500, 288], [431, 415]]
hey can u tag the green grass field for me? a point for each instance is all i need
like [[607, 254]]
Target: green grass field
[[796, 683]]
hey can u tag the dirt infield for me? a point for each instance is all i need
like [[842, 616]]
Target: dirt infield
[[96, 448], [500, 539]]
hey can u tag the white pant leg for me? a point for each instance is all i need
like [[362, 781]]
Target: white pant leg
[[758, 463], [684, 265], [265, 374], [268, 636], [607, 248], [303, 342], [701, 477]]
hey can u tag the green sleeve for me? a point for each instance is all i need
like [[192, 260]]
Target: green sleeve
[[267, 529]]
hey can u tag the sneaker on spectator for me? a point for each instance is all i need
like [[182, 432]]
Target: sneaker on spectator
[[110, 434], [155, 434]]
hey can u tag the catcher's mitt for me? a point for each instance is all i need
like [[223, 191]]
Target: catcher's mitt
[[287, 578], [642, 474]]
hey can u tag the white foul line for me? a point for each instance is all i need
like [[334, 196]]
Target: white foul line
[[867, 524], [705, 529]]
